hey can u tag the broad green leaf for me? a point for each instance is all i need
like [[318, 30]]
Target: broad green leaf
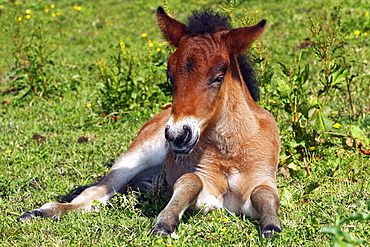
[[286, 198], [331, 230], [284, 89], [319, 119], [338, 77], [358, 134], [309, 103]]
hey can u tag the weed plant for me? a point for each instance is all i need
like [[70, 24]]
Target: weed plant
[[78, 80], [130, 82]]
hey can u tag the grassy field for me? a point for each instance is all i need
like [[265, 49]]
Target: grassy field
[[79, 79]]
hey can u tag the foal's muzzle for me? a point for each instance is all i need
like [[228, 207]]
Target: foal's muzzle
[[182, 138]]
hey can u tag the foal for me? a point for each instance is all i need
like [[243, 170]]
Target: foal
[[219, 148]]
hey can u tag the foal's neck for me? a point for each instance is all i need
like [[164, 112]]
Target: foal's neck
[[238, 115]]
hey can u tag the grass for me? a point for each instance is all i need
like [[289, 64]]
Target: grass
[[319, 182]]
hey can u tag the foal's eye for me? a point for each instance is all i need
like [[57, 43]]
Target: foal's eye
[[218, 80]]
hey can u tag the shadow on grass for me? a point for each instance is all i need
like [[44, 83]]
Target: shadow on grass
[[150, 202]]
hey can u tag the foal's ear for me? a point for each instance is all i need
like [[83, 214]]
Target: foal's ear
[[172, 30], [239, 39]]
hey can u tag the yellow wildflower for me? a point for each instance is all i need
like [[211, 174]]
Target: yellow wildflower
[[88, 105], [151, 44], [365, 33], [367, 14], [256, 11], [28, 16], [144, 35], [122, 44], [54, 15], [312, 148], [16, 3], [224, 220], [8, 151], [28, 11], [223, 229], [52, 6], [76, 7], [357, 32], [336, 125], [47, 10], [19, 19], [158, 49]]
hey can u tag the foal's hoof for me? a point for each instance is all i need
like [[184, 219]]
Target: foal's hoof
[[270, 230], [30, 214], [161, 229]]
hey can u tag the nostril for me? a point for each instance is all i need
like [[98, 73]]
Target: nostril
[[186, 128], [167, 134], [187, 133]]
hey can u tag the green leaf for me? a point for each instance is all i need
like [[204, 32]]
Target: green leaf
[[286, 198], [331, 230], [358, 134], [355, 216], [338, 77], [304, 75], [308, 104], [284, 69], [284, 89], [340, 243], [310, 187], [319, 119]]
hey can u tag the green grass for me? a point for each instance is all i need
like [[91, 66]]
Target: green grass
[[326, 180]]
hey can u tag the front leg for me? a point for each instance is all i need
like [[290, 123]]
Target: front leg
[[186, 191], [140, 164], [266, 201]]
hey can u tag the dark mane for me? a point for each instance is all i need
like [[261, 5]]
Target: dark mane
[[210, 22], [249, 77], [207, 22]]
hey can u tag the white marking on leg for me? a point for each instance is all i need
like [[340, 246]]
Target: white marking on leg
[[133, 164], [249, 210], [206, 201]]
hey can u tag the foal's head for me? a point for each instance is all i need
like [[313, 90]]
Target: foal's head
[[200, 69]]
